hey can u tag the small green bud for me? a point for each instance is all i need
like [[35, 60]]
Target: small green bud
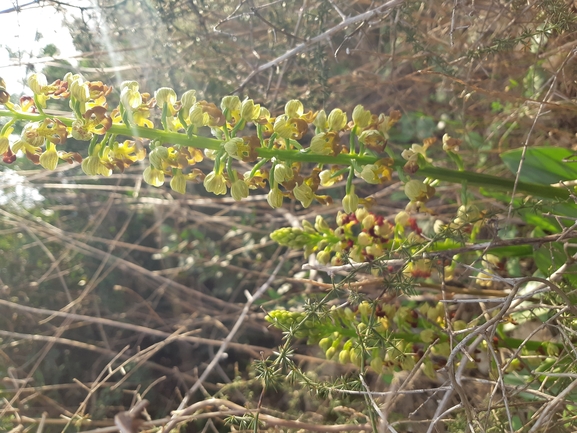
[[377, 364], [331, 351], [321, 120], [324, 257], [368, 222], [408, 363], [351, 201], [402, 218], [321, 225], [344, 356]]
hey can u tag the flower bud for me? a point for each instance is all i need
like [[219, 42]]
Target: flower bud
[[249, 111], [152, 176], [187, 100], [233, 147], [368, 223], [377, 365], [79, 90], [165, 95], [215, 183], [321, 225], [351, 201], [158, 156], [239, 190], [178, 183], [274, 198], [282, 173], [364, 239], [323, 257], [230, 103], [345, 356], [4, 145], [337, 120], [37, 82], [294, 108], [321, 120], [361, 213], [402, 218], [304, 194], [321, 144], [361, 117], [49, 159]]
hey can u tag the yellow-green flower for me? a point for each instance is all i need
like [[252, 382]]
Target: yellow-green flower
[[375, 173], [274, 198], [4, 145], [249, 111], [187, 100], [304, 194], [49, 159], [37, 83], [235, 147], [351, 201], [321, 121], [361, 117], [158, 157], [153, 176], [294, 108], [93, 165], [239, 190], [233, 105], [337, 120], [178, 182], [80, 91], [166, 95], [282, 172], [290, 128], [215, 183]]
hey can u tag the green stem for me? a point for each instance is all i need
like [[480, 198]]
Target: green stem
[[453, 176]]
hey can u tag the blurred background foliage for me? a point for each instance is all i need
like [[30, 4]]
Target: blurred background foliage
[[117, 249]]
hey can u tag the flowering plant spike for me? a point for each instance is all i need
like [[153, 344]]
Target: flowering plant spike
[[340, 146]]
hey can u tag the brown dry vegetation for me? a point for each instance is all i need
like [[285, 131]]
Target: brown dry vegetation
[[114, 291]]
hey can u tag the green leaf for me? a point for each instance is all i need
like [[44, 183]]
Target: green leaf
[[542, 165]]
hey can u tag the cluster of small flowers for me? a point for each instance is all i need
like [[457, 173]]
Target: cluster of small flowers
[[368, 134], [361, 236], [339, 332]]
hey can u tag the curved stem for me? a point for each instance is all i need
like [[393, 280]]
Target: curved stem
[[447, 175]]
